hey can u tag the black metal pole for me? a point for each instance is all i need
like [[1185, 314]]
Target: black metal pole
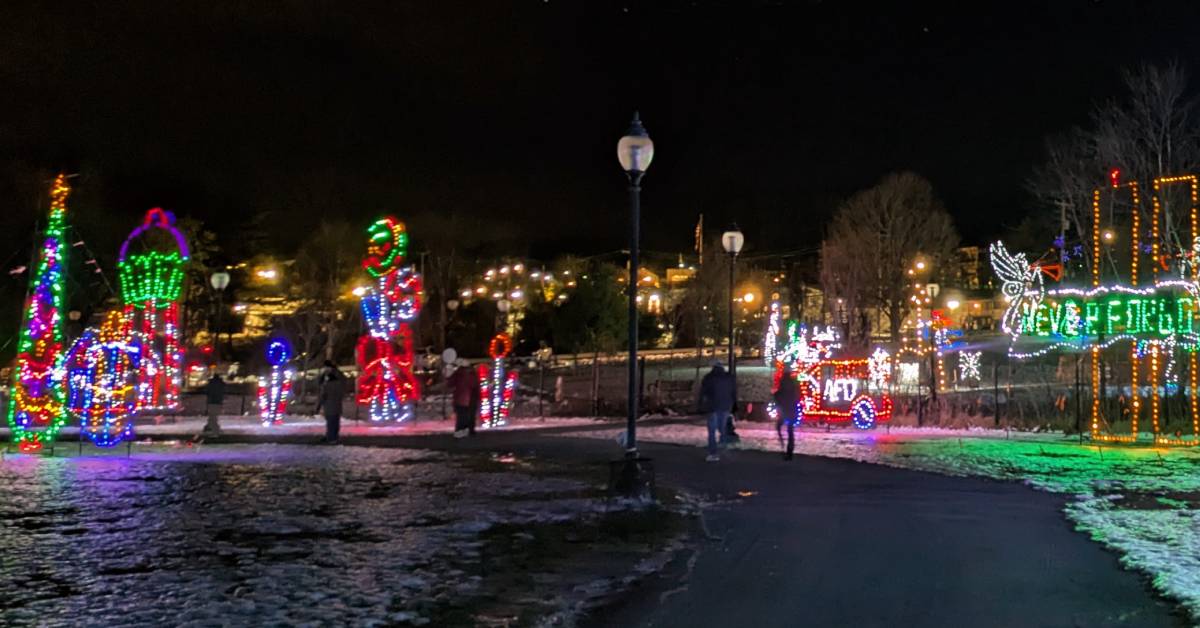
[[1079, 402], [996, 392], [216, 341], [732, 358], [635, 202]]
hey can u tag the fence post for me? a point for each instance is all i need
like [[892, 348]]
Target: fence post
[[642, 382], [446, 392], [1079, 405], [996, 391], [595, 387]]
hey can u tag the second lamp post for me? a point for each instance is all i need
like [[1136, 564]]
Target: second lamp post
[[732, 240], [634, 151]]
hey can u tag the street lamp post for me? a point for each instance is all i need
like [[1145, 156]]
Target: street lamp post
[[732, 240], [635, 152], [219, 281]]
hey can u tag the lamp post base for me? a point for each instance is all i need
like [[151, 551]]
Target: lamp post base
[[632, 477]]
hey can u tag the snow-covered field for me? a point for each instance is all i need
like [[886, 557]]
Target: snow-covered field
[[297, 535], [1143, 502]]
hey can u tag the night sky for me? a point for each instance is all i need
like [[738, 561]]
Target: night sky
[[505, 115]]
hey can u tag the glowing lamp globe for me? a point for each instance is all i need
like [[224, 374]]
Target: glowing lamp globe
[[635, 151], [733, 240], [219, 280]]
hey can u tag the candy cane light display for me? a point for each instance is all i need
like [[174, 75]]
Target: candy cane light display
[[36, 412], [496, 387], [102, 375], [151, 287], [275, 389], [390, 308]]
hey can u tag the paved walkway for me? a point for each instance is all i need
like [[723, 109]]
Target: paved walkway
[[826, 542]]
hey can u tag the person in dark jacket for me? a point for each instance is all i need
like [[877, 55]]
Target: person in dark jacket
[[716, 400], [787, 399], [214, 392], [329, 401], [464, 389]]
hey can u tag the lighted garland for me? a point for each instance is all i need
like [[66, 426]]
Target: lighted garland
[[36, 412], [390, 307], [101, 371], [496, 387], [151, 289], [276, 388]]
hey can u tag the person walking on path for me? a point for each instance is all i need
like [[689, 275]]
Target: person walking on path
[[214, 392], [464, 387], [716, 400], [787, 398], [333, 390]]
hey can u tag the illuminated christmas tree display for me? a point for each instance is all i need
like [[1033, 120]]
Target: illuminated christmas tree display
[[390, 308], [496, 386], [1143, 301], [151, 287], [275, 389], [36, 412], [102, 369]]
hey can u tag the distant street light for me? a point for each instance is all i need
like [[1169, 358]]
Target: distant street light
[[635, 151], [732, 240]]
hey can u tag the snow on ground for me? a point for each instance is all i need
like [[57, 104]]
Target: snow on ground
[[305, 425], [280, 535], [1143, 502]]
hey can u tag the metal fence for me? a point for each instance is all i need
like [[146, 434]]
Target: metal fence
[[1052, 392]]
